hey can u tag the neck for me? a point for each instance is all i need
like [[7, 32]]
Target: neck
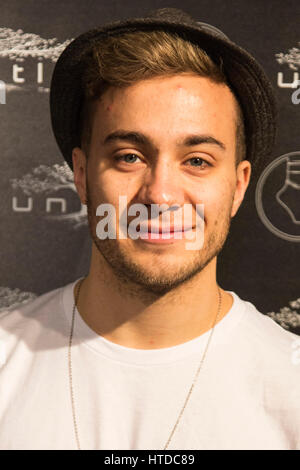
[[127, 314]]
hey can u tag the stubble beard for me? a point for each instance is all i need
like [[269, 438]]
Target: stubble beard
[[139, 278]]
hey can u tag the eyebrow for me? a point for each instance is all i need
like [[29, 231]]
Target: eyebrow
[[142, 139]]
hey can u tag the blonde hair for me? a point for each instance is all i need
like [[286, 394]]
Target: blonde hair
[[121, 60]]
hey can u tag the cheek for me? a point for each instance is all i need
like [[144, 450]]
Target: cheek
[[224, 199], [110, 189], [216, 197]]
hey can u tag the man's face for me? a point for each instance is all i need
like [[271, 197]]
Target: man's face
[[164, 168]]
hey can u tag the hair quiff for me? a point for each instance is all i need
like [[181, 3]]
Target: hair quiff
[[130, 57]]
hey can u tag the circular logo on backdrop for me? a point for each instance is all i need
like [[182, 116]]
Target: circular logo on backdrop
[[277, 197]]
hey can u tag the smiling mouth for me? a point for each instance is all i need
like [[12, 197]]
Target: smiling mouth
[[162, 230]]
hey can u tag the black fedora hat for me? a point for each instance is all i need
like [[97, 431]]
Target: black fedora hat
[[245, 76]]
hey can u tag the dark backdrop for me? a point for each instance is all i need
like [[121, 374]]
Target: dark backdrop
[[44, 237]]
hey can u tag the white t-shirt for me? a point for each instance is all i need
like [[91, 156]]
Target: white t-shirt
[[247, 395]]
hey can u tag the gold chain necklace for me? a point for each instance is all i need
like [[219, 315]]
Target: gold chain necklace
[[187, 397]]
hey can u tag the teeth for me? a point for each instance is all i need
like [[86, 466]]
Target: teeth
[[163, 230]]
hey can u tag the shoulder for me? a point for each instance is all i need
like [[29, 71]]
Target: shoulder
[[263, 330], [274, 350], [36, 320], [13, 316]]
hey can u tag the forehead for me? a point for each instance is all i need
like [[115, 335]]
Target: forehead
[[168, 105]]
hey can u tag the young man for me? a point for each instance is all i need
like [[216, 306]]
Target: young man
[[147, 351]]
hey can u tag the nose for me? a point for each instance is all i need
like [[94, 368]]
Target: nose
[[161, 185]]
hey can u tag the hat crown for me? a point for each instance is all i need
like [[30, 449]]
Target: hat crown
[[171, 14], [177, 15]]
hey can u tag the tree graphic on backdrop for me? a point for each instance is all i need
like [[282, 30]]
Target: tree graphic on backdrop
[[20, 45], [291, 58], [45, 179], [10, 298]]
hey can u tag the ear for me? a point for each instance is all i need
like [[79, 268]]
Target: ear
[[243, 173], [79, 169]]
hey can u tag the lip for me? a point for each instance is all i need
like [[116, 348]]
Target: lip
[[154, 229], [156, 237]]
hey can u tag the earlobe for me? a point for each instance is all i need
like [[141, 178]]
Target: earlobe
[[79, 170]]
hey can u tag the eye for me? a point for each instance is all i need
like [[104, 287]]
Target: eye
[[198, 162], [132, 158]]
